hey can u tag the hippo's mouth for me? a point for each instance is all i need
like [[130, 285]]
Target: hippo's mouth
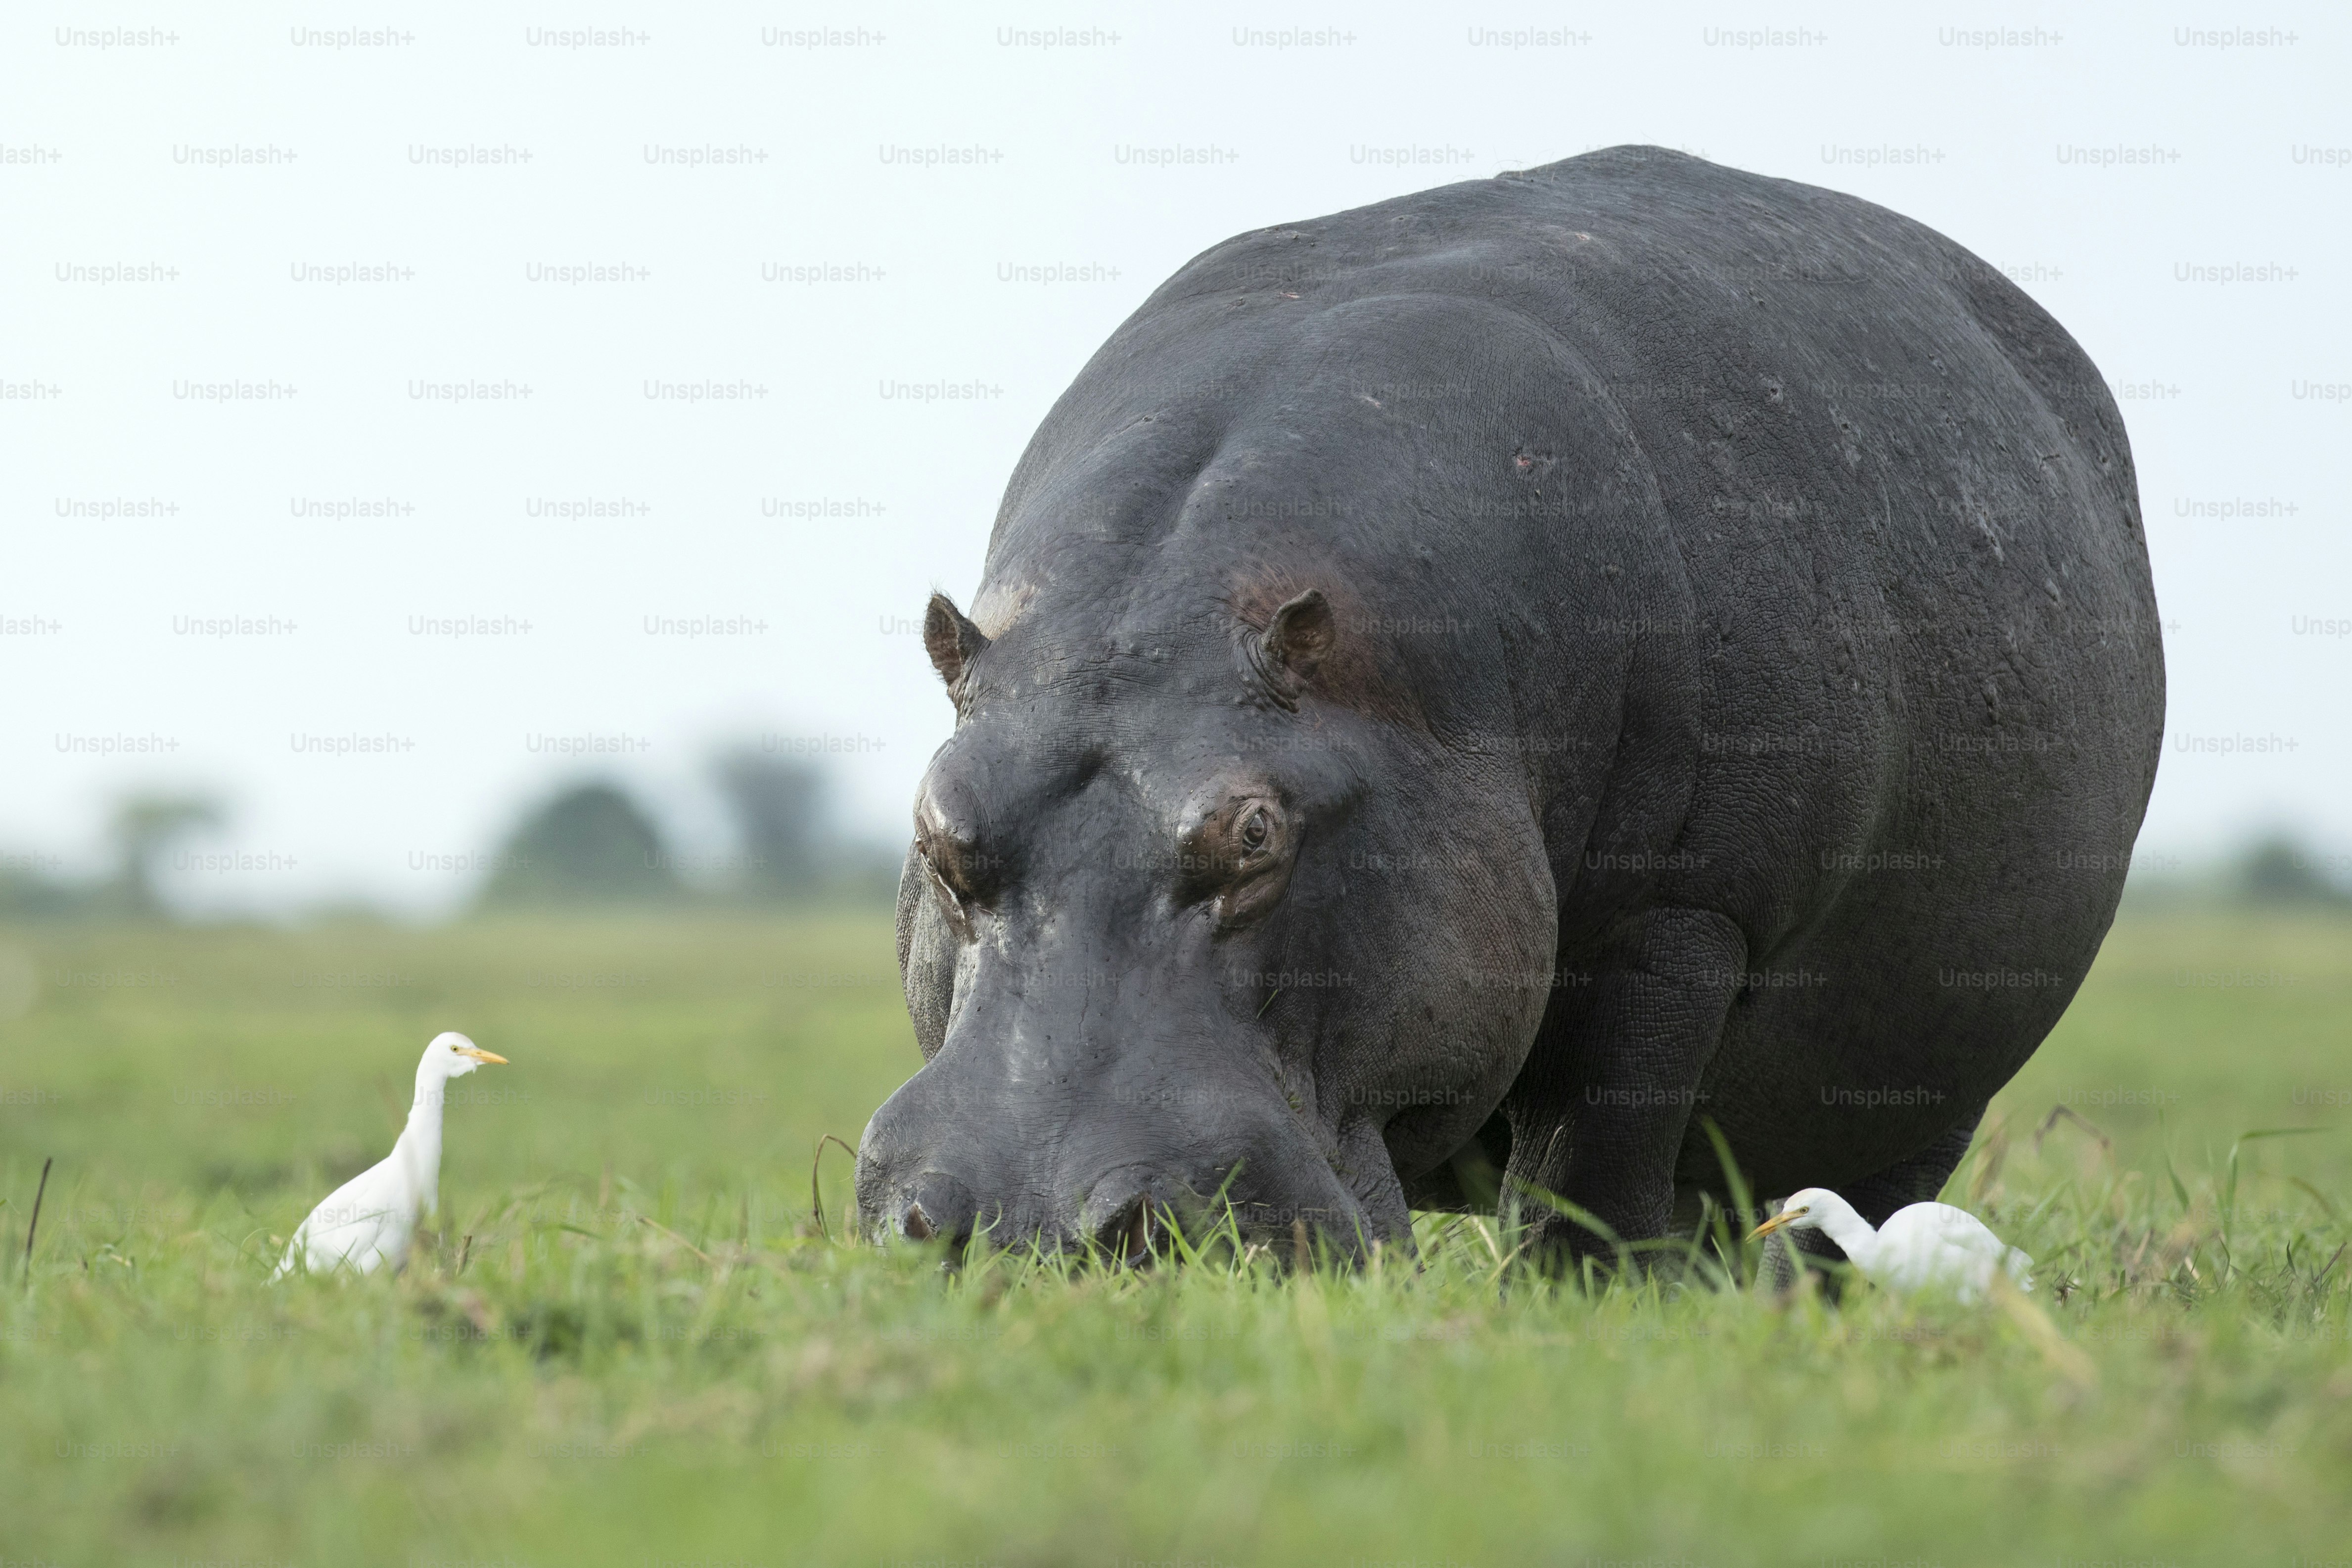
[[1132, 1216]]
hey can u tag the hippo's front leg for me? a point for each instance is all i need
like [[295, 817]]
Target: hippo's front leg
[[1601, 1120]]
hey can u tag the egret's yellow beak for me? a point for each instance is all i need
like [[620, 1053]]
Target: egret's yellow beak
[[1778, 1220], [480, 1055]]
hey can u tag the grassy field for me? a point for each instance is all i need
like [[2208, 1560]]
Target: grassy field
[[628, 1343]]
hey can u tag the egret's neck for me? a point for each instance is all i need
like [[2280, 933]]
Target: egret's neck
[[432, 1089], [419, 1149], [1835, 1218]]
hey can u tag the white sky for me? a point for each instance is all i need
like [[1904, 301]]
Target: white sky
[[1964, 137]]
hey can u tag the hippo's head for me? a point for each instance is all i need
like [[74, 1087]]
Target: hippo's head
[[1202, 909]]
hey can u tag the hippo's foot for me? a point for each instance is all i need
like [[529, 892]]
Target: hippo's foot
[[1597, 1116]]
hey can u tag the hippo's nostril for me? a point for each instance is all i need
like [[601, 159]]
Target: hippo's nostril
[[934, 1207], [1131, 1234], [1121, 1218]]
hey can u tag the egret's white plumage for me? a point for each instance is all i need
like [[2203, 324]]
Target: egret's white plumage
[[366, 1222], [1926, 1246]]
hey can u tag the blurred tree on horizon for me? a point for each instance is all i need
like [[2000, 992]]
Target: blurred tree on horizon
[[791, 845], [777, 806], [2279, 869], [144, 827], [588, 844]]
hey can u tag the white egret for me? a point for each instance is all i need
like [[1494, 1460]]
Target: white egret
[[366, 1222], [1925, 1246]]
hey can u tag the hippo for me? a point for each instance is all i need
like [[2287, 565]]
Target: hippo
[[1538, 693]]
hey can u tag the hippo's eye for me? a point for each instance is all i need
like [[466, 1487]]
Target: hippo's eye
[[1245, 859], [1255, 827], [953, 866], [943, 869]]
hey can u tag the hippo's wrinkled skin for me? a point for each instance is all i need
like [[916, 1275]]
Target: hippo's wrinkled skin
[[1509, 673]]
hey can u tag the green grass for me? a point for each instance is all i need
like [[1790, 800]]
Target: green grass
[[649, 1356]]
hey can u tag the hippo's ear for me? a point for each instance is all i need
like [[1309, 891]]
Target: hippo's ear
[[1299, 639], [952, 641]]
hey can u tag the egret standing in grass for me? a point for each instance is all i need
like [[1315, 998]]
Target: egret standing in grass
[[366, 1222], [1926, 1246]]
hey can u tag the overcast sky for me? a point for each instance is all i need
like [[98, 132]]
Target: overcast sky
[[571, 325]]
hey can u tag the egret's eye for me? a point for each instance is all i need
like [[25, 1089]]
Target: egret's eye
[[1254, 829]]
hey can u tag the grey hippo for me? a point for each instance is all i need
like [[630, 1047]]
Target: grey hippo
[[1479, 694]]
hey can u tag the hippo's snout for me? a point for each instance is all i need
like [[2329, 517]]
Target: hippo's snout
[[1118, 1219], [922, 1173]]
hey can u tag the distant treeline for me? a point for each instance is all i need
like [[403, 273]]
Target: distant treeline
[[2277, 871], [590, 844]]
